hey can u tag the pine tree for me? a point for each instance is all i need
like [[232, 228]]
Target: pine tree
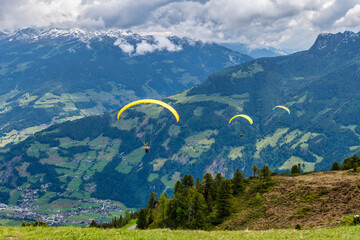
[[198, 184], [224, 207], [335, 166], [254, 169], [162, 207], [266, 174], [238, 182], [187, 181], [152, 202], [295, 169], [198, 210], [208, 190], [218, 179], [142, 222], [178, 188]]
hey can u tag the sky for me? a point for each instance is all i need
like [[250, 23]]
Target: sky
[[283, 24]]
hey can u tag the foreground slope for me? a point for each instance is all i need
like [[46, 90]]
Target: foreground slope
[[103, 157], [314, 200], [49, 76]]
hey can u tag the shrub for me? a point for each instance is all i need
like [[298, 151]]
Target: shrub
[[304, 211], [356, 220], [295, 169], [34, 224], [323, 192], [355, 166], [335, 166], [298, 227]]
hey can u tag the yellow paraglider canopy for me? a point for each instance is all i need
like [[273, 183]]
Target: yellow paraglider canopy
[[244, 116], [165, 105]]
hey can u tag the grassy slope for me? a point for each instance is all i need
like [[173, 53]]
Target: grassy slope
[[87, 233], [318, 199]]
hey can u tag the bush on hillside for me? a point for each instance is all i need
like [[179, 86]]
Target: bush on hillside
[[335, 166]]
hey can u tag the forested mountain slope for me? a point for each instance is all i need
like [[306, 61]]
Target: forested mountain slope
[[103, 157]]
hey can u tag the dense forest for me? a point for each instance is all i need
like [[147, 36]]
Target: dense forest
[[205, 203]]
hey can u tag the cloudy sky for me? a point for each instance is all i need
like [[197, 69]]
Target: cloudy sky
[[285, 24]]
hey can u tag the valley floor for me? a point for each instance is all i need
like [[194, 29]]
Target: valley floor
[[95, 233]]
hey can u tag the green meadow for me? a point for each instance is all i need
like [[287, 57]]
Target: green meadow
[[97, 233]]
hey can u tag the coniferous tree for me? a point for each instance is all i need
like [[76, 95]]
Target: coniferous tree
[[254, 169], [295, 169], [198, 184], [208, 190], [187, 181], [238, 184], [161, 213], [224, 207], [335, 166], [142, 222], [198, 210], [152, 202], [266, 174], [218, 179], [178, 188], [171, 212]]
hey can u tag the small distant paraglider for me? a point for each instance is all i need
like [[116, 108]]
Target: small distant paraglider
[[152, 101], [283, 107]]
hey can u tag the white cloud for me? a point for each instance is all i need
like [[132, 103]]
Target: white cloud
[[160, 44], [124, 46], [351, 18], [279, 23]]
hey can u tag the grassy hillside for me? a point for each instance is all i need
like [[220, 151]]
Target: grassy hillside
[[313, 200], [93, 233]]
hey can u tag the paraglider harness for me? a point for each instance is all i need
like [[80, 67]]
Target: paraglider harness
[[147, 149]]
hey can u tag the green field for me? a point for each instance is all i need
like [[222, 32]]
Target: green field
[[95, 233]]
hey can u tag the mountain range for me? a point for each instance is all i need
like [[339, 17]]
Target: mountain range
[[102, 157], [53, 75]]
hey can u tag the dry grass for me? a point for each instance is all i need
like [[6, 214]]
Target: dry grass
[[315, 200]]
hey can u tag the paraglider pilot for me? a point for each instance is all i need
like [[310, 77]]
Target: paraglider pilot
[[147, 149]]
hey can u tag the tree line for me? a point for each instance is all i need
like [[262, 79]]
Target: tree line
[[200, 204]]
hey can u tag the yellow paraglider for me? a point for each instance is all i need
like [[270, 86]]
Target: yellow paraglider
[[165, 105], [242, 115]]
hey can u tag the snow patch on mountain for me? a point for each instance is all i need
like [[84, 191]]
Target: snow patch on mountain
[[129, 42]]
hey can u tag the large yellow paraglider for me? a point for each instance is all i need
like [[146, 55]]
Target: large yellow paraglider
[[165, 105], [243, 116]]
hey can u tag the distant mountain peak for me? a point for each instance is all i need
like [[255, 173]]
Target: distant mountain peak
[[328, 42]]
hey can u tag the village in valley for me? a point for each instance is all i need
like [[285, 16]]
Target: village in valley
[[61, 211]]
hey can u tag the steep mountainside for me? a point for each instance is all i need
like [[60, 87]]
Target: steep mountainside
[[52, 75], [104, 157]]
